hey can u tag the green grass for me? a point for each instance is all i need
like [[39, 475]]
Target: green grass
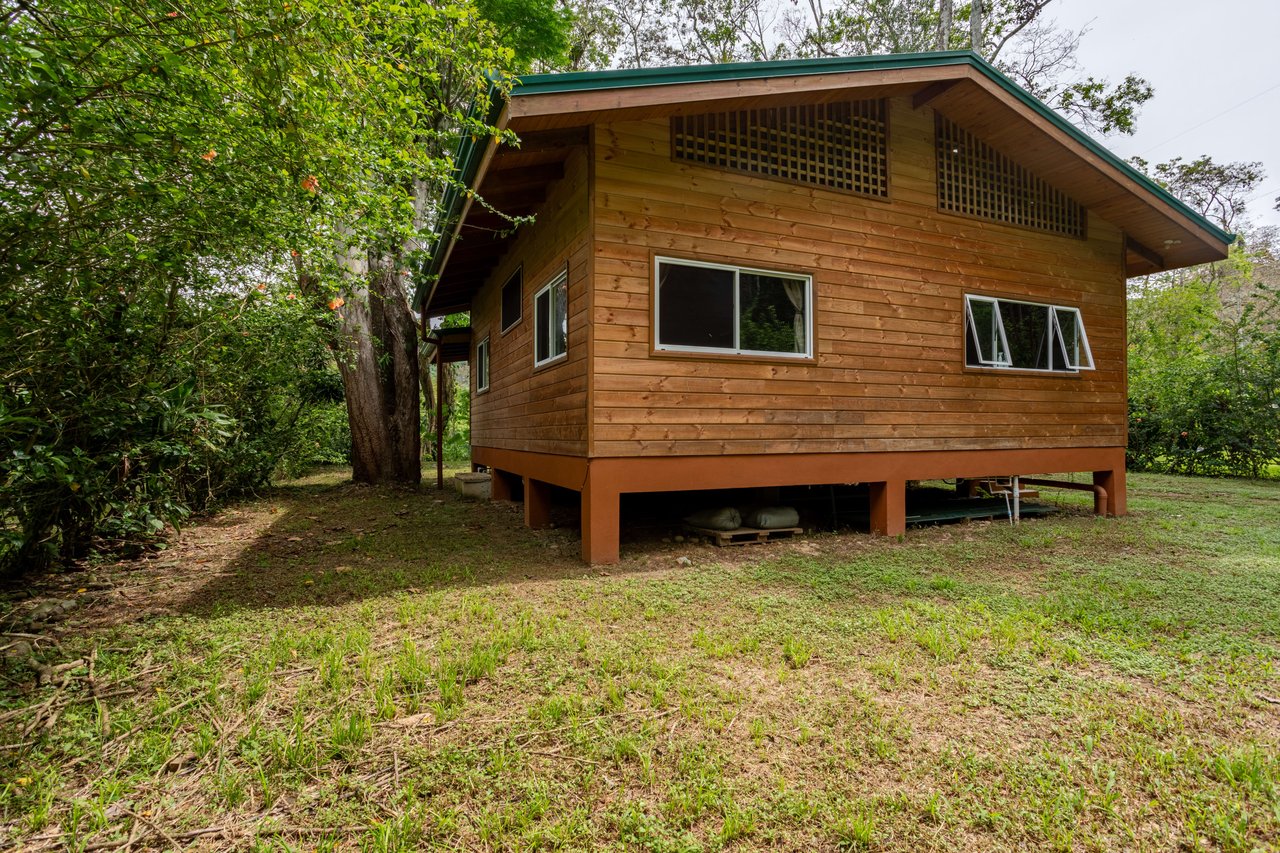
[[344, 668]]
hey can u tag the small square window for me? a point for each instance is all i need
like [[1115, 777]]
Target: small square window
[[551, 320], [482, 365], [513, 299]]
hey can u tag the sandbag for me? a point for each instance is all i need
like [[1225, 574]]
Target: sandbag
[[726, 518], [772, 517]]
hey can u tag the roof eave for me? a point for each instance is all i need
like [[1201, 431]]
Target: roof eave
[[471, 162], [471, 159]]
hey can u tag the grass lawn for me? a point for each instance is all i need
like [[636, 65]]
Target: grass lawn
[[334, 667]]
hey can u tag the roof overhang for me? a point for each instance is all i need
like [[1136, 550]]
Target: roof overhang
[[1161, 232]]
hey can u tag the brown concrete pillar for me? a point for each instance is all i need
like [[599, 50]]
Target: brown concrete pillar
[[601, 508], [1114, 482], [502, 485], [537, 503], [889, 507]]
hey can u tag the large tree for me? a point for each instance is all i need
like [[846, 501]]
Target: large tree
[[408, 83], [163, 170]]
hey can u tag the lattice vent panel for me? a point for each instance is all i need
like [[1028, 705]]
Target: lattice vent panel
[[977, 180], [842, 146]]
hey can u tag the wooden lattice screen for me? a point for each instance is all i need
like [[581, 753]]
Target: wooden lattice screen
[[841, 145], [977, 180]]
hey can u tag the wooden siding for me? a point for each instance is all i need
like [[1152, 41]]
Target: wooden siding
[[540, 409], [889, 277]]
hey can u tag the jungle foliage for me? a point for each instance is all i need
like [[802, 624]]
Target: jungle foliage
[[181, 188], [1204, 368]]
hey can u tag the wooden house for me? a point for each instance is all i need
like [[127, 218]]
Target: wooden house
[[867, 270]]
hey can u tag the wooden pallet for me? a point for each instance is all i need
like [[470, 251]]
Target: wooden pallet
[[745, 535]]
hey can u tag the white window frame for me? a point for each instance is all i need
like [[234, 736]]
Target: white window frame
[[502, 300], [1087, 363], [483, 355], [546, 325], [737, 271], [1001, 344]]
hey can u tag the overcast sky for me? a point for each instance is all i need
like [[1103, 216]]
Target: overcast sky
[[1215, 67]]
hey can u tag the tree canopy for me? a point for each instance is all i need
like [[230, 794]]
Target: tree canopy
[[1018, 36], [165, 173]]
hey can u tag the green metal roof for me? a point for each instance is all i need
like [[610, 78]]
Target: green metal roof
[[584, 81], [467, 160], [471, 150]]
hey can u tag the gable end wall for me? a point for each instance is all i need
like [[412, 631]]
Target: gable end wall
[[889, 276]]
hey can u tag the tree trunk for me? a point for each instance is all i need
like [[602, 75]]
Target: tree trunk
[[944, 25], [975, 26], [378, 360], [426, 357], [448, 389]]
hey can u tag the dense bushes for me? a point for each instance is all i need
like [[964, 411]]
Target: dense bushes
[[120, 413], [1204, 371], [153, 205]]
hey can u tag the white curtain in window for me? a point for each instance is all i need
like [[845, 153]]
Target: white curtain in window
[[795, 292]]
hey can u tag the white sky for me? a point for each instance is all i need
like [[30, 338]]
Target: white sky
[[1215, 67]]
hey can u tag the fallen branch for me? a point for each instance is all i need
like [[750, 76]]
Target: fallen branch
[[154, 828]]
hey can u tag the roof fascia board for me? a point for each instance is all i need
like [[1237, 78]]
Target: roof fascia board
[[704, 95], [472, 159], [539, 84]]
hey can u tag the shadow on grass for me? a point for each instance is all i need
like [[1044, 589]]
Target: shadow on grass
[[329, 543]]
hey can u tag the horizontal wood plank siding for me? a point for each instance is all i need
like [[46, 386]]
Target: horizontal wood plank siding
[[889, 279], [526, 408]]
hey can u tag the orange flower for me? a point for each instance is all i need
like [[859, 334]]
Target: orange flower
[[173, 15], [209, 155], [292, 296], [336, 302], [311, 184], [262, 287], [293, 253]]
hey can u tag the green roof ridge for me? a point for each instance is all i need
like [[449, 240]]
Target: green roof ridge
[[618, 78]]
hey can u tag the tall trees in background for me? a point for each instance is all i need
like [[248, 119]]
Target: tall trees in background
[[1018, 36]]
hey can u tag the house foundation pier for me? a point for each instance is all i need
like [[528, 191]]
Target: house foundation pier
[[602, 481]]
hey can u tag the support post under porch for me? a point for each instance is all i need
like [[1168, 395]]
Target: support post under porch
[[601, 510], [1114, 482], [889, 507], [502, 485], [537, 503]]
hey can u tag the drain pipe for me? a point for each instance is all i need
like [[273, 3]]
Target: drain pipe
[[1099, 493]]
